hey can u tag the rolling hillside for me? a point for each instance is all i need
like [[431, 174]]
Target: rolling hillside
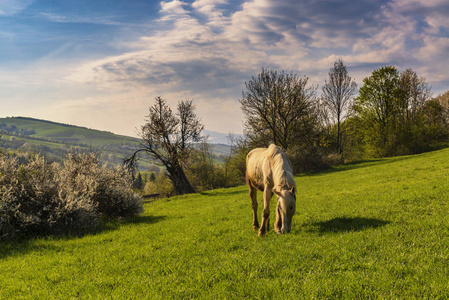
[[55, 140], [65, 133], [377, 229], [82, 135]]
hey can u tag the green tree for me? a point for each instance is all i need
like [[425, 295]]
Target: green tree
[[152, 177], [138, 182], [379, 103], [395, 113], [200, 167]]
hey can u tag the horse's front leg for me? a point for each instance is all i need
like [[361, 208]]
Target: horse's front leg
[[267, 194], [278, 223], [253, 196]]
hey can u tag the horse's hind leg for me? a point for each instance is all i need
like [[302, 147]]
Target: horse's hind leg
[[253, 195]]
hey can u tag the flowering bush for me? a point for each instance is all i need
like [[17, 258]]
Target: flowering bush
[[40, 198]]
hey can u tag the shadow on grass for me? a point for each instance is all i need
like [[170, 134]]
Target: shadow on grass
[[360, 165], [28, 243], [345, 224], [221, 193]]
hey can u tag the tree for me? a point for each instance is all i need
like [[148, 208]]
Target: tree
[[168, 137], [152, 177], [378, 104], [396, 114], [338, 91], [280, 108], [443, 99], [415, 91], [138, 182], [200, 167], [379, 95]]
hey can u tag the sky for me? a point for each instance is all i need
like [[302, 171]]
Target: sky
[[101, 63]]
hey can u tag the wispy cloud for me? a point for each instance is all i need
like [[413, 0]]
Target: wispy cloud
[[100, 20], [288, 35], [11, 7]]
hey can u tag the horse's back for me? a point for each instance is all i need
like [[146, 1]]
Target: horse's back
[[264, 163], [254, 168], [258, 165]]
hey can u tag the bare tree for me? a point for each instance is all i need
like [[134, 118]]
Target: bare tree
[[338, 91], [416, 92], [443, 99], [279, 108], [168, 137]]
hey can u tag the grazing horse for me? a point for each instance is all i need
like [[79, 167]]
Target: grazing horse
[[269, 170]]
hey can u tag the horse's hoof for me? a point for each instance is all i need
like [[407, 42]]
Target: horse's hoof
[[261, 233]]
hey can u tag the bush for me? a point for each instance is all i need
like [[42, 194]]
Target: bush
[[110, 189], [306, 159], [38, 198], [161, 185]]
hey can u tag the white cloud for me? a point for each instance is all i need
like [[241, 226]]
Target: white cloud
[[11, 7], [207, 49], [210, 57]]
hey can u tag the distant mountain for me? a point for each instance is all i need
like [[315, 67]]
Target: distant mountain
[[219, 138]]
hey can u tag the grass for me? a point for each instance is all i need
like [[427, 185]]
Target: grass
[[376, 229]]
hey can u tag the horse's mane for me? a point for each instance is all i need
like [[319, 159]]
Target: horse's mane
[[281, 168]]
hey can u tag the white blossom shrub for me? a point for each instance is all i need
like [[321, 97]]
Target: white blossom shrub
[[38, 198]]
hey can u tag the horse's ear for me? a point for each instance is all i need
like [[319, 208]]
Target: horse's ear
[[276, 192], [293, 190]]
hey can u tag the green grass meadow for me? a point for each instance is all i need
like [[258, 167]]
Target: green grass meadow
[[376, 229]]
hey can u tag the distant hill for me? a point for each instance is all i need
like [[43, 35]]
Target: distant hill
[[63, 132], [55, 140]]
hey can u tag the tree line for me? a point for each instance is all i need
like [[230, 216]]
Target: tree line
[[392, 113]]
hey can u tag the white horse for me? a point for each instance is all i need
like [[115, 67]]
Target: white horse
[[269, 170]]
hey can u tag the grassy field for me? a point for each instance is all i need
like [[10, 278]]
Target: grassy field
[[69, 133], [375, 229]]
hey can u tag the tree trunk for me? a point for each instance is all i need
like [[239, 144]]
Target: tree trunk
[[339, 148], [179, 180]]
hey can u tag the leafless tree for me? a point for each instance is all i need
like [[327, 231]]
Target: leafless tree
[[279, 108], [416, 92], [168, 137], [443, 99], [338, 91]]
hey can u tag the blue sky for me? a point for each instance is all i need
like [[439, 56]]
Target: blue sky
[[101, 63]]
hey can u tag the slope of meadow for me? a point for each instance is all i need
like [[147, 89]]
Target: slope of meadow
[[68, 133], [375, 229]]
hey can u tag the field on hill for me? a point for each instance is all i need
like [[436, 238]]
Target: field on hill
[[374, 229], [56, 140], [67, 133]]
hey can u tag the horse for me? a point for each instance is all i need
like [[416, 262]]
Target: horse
[[270, 171]]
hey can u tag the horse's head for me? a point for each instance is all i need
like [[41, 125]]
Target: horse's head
[[286, 208]]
